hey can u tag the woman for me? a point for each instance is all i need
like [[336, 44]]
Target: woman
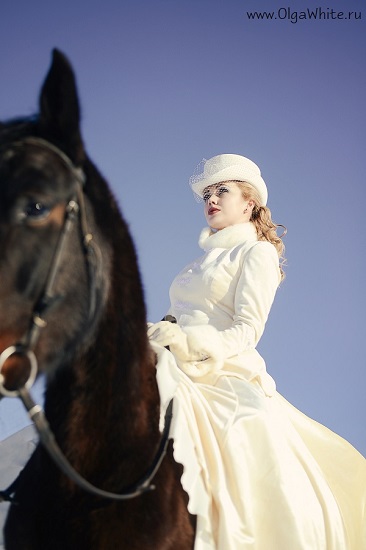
[[260, 475]]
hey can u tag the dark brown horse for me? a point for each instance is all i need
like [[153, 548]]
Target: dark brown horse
[[78, 311]]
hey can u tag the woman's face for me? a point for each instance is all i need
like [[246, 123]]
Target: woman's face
[[225, 205]]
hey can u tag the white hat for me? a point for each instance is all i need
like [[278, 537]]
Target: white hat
[[228, 168]]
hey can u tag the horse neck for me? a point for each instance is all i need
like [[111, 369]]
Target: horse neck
[[109, 410]]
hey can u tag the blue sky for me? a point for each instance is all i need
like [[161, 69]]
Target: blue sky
[[163, 84]]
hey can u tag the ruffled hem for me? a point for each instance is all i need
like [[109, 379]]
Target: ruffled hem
[[259, 474], [172, 382]]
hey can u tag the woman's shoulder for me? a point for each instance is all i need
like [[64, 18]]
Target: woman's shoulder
[[260, 255], [264, 247], [257, 248]]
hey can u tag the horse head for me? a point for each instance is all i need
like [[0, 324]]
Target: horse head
[[62, 240]]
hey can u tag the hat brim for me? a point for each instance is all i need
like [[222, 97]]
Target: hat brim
[[231, 173]]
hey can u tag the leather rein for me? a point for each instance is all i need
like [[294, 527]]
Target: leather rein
[[75, 208]]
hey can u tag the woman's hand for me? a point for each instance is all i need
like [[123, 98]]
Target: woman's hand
[[170, 334], [197, 349]]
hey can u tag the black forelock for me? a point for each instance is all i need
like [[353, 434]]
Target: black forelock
[[18, 128]]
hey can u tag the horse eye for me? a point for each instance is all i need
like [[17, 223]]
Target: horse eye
[[36, 211]]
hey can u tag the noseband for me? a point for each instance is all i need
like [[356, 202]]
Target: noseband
[[75, 208]]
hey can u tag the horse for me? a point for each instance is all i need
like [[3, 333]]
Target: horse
[[72, 307]]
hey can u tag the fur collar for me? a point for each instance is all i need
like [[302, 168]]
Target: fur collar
[[228, 237]]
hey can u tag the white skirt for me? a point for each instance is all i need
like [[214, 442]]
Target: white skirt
[[261, 475]]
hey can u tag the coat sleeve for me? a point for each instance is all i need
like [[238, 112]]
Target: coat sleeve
[[258, 281]]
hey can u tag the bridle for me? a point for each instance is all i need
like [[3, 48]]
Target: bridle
[[75, 208]]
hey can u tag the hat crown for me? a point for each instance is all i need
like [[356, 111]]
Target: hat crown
[[222, 162]]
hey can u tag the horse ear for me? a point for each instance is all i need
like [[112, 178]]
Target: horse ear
[[59, 108]]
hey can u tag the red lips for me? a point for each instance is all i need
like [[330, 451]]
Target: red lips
[[213, 210]]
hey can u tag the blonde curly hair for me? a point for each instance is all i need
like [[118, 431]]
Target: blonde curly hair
[[262, 219]]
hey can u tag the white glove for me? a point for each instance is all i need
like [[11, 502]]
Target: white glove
[[196, 349]]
